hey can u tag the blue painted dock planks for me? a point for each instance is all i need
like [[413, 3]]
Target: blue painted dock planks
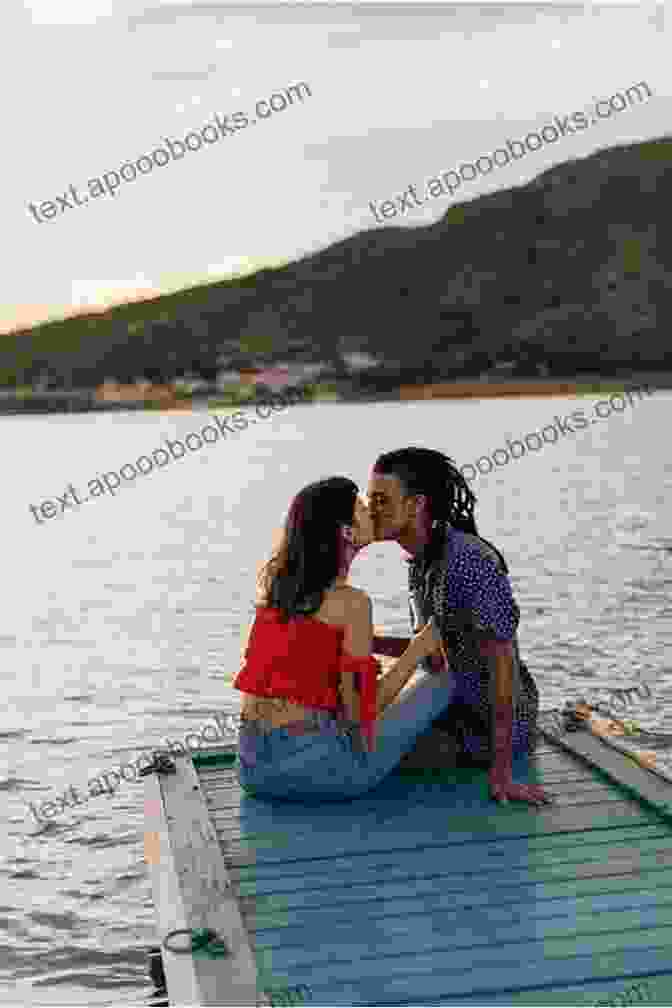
[[424, 892]]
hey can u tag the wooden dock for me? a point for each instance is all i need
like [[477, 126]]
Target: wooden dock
[[422, 892]]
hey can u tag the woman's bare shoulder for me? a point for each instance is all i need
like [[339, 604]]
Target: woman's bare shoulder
[[347, 603], [358, 602]]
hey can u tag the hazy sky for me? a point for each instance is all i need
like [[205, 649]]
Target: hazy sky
[[399, 94]]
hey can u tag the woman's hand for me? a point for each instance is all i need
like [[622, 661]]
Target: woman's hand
[[390, 685], [426, 640], [435, 651]]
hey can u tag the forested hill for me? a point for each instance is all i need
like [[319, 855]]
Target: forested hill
[[573, 268]]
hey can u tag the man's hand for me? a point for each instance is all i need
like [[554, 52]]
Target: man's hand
[[503, 790]]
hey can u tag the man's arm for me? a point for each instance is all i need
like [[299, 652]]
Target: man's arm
[[502, 787]]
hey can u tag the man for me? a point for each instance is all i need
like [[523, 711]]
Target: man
[[418, 498]]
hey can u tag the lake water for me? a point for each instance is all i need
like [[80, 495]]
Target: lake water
[[121, 619]]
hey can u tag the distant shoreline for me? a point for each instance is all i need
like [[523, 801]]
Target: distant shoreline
[[582, 385], [84, 401]]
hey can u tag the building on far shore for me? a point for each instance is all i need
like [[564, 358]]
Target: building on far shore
[[112, 391], [281, 375]]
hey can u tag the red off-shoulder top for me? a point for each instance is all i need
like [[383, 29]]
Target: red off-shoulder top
[[303, 661]]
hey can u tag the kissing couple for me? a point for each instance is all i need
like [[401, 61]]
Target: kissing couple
[[319, 719]]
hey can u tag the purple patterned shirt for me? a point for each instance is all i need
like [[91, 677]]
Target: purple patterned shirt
[[468, 595]]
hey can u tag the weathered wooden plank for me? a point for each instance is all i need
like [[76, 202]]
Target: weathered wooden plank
[[248, 884], [387, 981], [169, 906], [634, 989], [554, 757], [523, 899], [563, 783], [582, 916], [196, 874], [550, 780], [598, 797], [494, 887], [645, 785], [493, 846], [446, 864], [521, 939], [508, 821], [391, 921]]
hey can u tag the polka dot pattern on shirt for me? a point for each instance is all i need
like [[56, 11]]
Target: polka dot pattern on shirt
[[469, 595]]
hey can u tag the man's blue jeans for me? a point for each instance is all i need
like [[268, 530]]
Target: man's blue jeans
[[331, 764]]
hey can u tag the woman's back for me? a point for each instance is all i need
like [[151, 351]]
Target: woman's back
[[287, 662]]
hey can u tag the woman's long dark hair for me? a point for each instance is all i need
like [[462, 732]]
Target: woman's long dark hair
[[451, 501], [309, 556]]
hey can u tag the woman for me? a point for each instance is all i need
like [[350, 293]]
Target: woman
[[310, 682], [459, 582]]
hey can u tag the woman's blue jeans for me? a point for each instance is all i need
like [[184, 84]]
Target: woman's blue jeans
[[332, 764]]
